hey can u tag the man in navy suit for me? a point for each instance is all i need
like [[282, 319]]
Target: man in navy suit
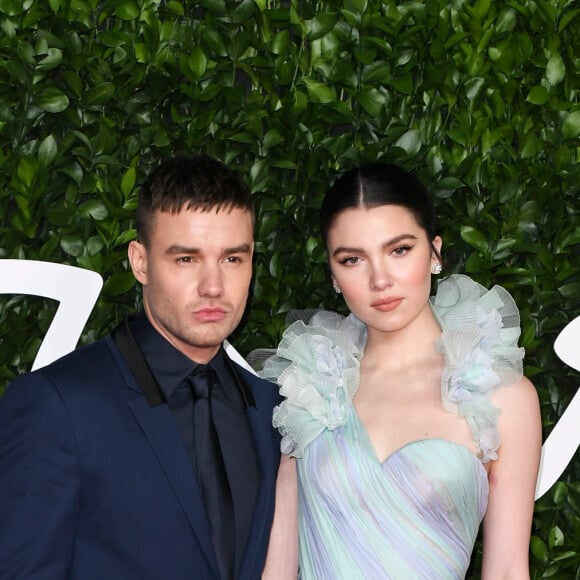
[[103, 470]]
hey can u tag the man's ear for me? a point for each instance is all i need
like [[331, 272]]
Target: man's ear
[[137, 253]]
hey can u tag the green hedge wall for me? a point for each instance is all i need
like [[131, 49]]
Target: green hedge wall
[[480, 98]]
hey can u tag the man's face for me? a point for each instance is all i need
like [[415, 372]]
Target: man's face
[[195, 273]]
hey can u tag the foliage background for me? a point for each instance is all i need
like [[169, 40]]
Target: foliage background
[[480, 98]]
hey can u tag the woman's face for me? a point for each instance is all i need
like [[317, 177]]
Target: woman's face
[[381, 259]]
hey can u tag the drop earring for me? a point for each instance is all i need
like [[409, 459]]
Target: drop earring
[[336, 287], [436, 268]]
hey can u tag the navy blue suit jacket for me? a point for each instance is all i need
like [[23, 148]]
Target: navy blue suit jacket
[[96, 484]]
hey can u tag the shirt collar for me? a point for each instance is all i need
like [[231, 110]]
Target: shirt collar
[[171, 367]]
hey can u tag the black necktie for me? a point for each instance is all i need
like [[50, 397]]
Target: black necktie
[[211, 471]]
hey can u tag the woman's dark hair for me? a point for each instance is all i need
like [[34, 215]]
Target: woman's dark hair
[[197, 182], [376, 184]]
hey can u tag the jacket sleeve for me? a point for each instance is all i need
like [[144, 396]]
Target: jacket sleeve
[[39, 481]]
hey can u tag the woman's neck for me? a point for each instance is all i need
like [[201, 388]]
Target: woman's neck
[[400, 348]]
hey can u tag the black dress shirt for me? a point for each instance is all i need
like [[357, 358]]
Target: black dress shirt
[[230, 398]]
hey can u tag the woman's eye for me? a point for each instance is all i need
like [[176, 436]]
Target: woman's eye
[[401, 250], [350, 261]]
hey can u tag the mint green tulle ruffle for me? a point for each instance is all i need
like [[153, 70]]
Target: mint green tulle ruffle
[[317, 364]]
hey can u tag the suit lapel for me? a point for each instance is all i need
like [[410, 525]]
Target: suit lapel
[[158, 426]]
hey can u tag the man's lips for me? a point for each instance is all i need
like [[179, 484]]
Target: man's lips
[[210, 314], [387, 304]]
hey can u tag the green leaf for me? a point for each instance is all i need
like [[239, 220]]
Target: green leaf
[[571, 125], [127, 9], [320, 25], [404, 84], [94, 245], [570, 290], [128, 181], [197, 62], [447, 186], [539, 549], [51, 61], [371, 100], [215, 41], [475, 238], [52, 100], [27, 170], [119, 283], [567, 18], [559, 491], [379, 71], [311, 245], [531, 146], [95, 209], [100, 94], [411, 142], [214, 5], [125, 237], [272, 138], [74, 171], [556, 537], [473, 87], [319, 92], [280, 42], [555, 70], [506, 21], [568, 555], [244, 11], [47, 150], [539, 95], [175, 8], [11, 7], [72, 244], [356, 6]]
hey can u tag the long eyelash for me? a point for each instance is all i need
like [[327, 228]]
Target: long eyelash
[[347, 260]]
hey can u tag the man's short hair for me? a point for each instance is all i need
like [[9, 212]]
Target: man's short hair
[[196, 182]]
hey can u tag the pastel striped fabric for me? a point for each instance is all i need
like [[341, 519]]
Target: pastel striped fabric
[[416, 515]]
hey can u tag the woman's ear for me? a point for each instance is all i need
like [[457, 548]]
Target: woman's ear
[[437, 244], [137, 254]]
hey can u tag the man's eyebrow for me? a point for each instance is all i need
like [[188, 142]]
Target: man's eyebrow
[[241, 249], [391, 242], [177, 249]]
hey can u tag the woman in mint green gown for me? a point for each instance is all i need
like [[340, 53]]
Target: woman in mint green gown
[[407, 423]]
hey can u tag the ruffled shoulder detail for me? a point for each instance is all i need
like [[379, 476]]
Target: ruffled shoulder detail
[[480, 331], [317, 365]]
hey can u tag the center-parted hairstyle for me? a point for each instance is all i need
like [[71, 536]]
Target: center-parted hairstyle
[[375, 184], [195, 182]]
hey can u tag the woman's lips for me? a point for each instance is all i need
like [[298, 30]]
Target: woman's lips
[[387, 304]]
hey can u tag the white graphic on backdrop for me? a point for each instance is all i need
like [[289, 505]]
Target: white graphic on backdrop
[[562, 443], [77, 290]]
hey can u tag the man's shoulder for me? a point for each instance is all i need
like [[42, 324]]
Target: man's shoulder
[[95, 356], [83, 366]]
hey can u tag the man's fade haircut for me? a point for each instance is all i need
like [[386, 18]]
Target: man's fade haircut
[[196, 182]]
